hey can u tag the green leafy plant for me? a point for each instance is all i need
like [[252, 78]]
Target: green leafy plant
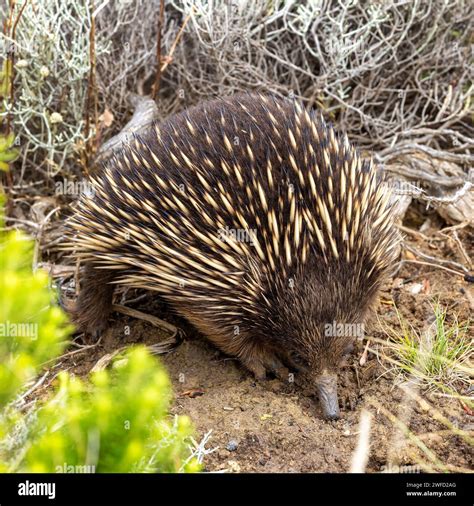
[[117, 421], [32, 329], [7, 152]]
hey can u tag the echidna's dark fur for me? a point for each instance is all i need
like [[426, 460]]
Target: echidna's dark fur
[[320, 230]]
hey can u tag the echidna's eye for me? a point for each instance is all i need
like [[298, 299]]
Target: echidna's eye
[[299, 361]]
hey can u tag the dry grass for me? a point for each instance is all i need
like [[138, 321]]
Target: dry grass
[[440, 357]]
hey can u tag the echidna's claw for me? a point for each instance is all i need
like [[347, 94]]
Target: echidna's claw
[[256, 367], [269, 363], [277, 368]]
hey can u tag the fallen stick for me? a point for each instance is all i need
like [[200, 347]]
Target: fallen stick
[[157, 322]]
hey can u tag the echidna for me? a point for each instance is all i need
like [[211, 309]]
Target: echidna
[[254, 220]]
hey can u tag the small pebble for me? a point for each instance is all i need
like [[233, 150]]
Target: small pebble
[[414, 288], [232, 445]]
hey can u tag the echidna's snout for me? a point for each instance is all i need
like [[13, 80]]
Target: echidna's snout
[[326, 385]]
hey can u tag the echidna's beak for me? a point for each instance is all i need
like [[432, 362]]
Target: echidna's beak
[[326, 385]]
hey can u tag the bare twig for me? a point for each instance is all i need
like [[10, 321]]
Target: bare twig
[[360, 456], [91, 100], [430, 264], [434, 260], [176, 40], [157, 322], [156, 85]]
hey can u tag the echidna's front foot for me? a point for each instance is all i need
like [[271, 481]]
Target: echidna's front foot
[[95, 329], [267, 364], [93, 305]]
